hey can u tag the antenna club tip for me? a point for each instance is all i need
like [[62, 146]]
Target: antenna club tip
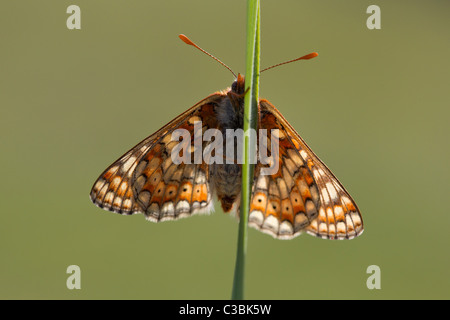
[[185, 39], [310, 56]]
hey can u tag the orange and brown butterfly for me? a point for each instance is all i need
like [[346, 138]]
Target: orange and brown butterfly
[[302, 196]]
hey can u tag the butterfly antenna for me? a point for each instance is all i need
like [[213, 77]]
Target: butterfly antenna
[[189, 42], [306, 57]]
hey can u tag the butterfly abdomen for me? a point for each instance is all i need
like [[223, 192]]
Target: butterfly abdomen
[[227, 184], [226, 177]]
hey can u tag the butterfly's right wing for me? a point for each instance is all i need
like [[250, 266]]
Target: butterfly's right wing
[[303, 194], [145, 179]]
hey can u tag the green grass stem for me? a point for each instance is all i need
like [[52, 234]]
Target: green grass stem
[[250, 122]]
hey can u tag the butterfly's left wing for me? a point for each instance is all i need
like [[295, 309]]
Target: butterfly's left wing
[[146, 180], [303, 194]]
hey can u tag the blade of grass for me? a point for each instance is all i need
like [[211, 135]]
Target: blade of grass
[[249, 145]]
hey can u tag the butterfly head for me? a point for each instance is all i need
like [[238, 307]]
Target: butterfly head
[[238, 85]]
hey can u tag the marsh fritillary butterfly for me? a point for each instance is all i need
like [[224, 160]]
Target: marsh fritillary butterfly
[[303, 195]]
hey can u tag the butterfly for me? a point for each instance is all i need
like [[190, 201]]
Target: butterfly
[[302, 195]]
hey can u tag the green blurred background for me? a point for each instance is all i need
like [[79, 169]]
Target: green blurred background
[[374, 106]]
